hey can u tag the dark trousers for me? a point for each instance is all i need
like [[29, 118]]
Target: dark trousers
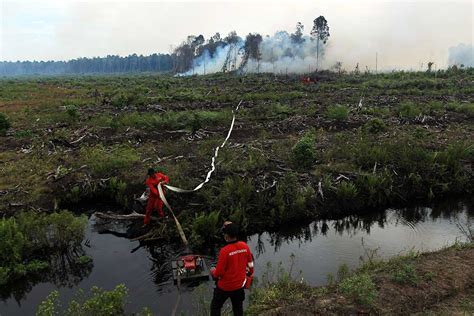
[[237, 298]]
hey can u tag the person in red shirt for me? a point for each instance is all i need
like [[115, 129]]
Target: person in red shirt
[[154, 201], [234, 269]]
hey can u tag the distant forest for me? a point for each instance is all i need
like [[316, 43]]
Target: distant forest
[[229, 53], [109, 64]]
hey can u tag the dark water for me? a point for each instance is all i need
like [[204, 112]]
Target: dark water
[[319, 249]]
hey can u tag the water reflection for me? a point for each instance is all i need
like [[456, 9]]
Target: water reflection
[[320, 247], [159, 254], [64, 271], [352, 225]]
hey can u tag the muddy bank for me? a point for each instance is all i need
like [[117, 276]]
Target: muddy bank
[[434, 282]]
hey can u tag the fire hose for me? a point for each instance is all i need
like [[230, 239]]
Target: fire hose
[[144, 196]]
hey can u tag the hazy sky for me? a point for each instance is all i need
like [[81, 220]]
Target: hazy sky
[[403, 33]]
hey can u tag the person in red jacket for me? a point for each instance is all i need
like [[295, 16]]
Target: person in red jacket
[[234, 265], [154, 201]]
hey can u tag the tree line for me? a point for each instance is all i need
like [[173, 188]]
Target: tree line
[[239, 52], [108, 64]]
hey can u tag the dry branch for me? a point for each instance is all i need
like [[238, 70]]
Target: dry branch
[[154, 234]]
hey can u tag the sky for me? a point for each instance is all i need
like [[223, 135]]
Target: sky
[[403, 33]]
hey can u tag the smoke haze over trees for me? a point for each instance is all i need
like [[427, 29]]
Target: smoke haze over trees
[[282, 52], [463, 54], [109, 64]]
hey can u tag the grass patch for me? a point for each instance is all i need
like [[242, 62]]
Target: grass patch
[[191, 120], [104, 160], [466, 108], [337, 112], [278, 287], [269, 111]]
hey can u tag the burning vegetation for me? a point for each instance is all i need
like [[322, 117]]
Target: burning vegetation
[[280, 53]]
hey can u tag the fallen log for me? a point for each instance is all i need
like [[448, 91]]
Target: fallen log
[[131, 216]]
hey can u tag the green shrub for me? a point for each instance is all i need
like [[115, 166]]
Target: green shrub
[[74, 195], [188, 95], [256, 160], [374, 188], [406, 274], [31, 238], [365, 154], [192, 120], [56, 231], [377, 111], [49, 307], [269, 111], [235, 193], [343, 272], [72, 112], [453, 106], [468, 109], [98, 302], [286, 193], [409, 110], [347, 195], [375, 126], [4, 275], [13, 245], [360, 288], [24, 134], [4, 124], [84, 260], [337, 112], [205, 227], [127, 98], [410, 158], [330, 279], [36, 266], [429, 276], [291, 200], [435, 107], [304, 151], [420, 133], [116, 190]]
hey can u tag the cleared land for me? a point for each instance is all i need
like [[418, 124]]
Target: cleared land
[[342, 144]]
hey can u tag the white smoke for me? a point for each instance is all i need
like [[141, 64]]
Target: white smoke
[[204, 64], [461, 55], [279, 54]]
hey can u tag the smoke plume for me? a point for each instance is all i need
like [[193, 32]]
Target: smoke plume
[[280, 53], [461, 55]]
